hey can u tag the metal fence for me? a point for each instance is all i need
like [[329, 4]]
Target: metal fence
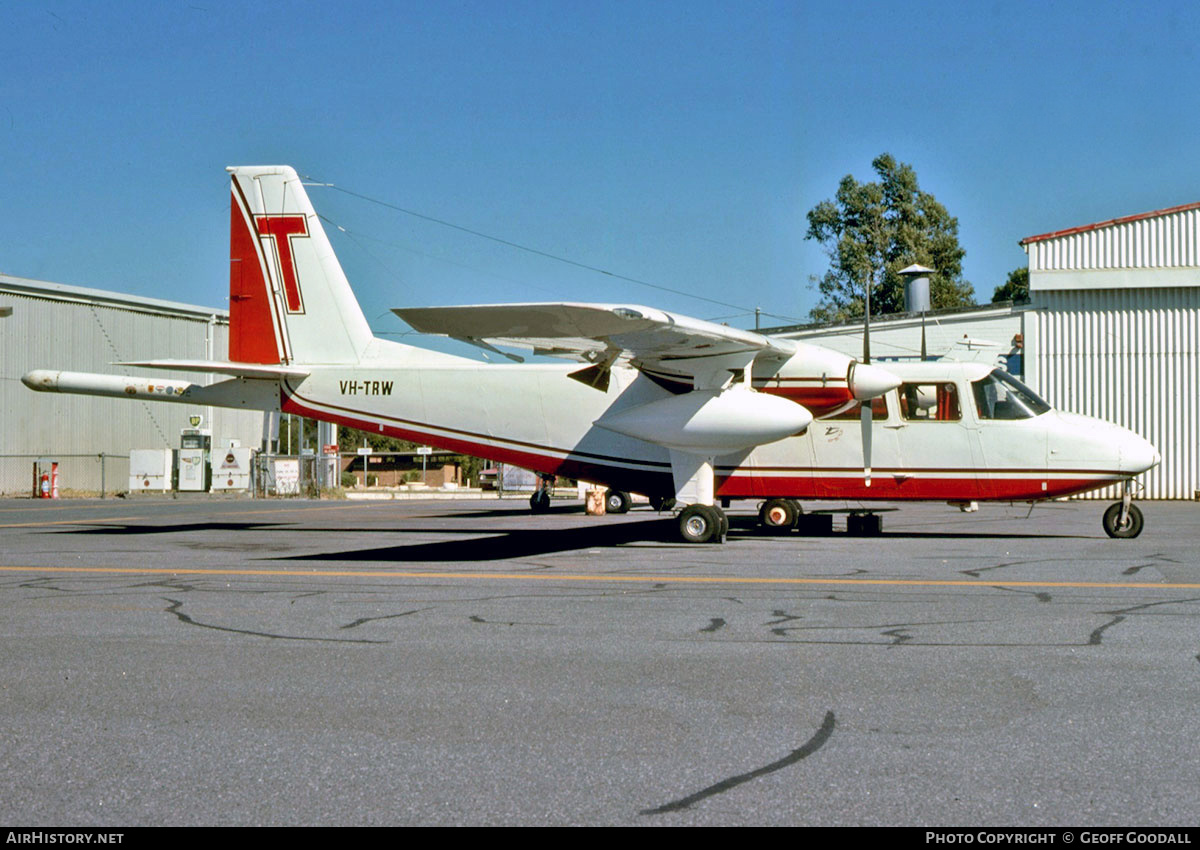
[[102, 474], [272, 478], [106, 475]]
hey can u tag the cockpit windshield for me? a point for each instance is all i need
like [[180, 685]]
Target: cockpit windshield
[[1001, 396]]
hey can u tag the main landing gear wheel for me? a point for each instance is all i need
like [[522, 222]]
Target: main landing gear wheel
[[616, 502], [778, 516], [539, 502], [1132, 526], [703, 524]]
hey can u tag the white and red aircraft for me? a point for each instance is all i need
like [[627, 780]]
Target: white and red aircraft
[[664, 405]]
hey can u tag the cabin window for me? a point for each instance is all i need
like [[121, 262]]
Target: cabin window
[[930, 402], [879, 410], [1001, 396]]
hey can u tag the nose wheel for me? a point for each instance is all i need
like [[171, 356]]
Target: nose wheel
[[1123, 521]]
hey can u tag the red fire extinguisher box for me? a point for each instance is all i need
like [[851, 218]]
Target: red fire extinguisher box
[[45, 478]]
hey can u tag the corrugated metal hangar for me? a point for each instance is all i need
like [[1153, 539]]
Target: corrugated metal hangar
[[1111, 330], [51, 326], [1114, 321]]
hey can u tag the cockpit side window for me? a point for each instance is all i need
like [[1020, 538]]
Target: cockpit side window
[[1001, 396], [930, 402]]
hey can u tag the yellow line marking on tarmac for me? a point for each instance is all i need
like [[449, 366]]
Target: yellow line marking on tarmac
[[69, 522], [675, 579], [37, 505]]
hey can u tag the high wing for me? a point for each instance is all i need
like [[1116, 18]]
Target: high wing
[[657, 342]]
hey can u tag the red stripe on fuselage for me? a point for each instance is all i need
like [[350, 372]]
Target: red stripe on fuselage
[[816, 484], [899, 488]]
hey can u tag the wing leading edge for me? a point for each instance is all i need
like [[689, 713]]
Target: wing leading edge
[[704, 352]]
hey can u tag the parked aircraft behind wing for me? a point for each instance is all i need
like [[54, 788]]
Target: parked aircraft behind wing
[[657, 403]]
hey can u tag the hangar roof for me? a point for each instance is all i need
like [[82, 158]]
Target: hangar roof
[[1041, 237], [1153, 250], [79, 294]]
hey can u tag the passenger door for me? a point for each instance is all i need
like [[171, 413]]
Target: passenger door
[[938, 448]]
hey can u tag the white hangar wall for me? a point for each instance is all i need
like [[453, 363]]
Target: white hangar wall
[[1114, 331], [1129, 357], [983, 334], [52, 326]]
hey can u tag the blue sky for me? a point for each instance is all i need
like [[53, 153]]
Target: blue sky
[[680, 144]]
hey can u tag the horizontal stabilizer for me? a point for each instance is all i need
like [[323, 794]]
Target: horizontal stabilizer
[[223, 367]]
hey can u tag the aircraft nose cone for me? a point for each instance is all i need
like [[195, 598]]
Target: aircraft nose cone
[[870, 381], [1138, 455]]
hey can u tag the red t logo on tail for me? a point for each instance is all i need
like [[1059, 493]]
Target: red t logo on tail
[[280, 229]]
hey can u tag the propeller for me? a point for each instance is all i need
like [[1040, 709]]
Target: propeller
[[868, 382]]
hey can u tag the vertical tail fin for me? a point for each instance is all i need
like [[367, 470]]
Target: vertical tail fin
[[289, 301]]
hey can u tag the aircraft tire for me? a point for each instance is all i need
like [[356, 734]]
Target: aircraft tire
[[700, 524], [1132, 527], [539, 502], [616, 502], [778, 516]]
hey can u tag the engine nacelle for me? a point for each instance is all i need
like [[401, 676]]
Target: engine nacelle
[[711, 421]]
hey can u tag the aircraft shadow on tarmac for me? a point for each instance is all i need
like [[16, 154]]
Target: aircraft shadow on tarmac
[[500, 544], [560, 510], [503, 544], [171, 528]]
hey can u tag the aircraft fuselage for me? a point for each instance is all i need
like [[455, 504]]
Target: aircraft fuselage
[[534, 416]]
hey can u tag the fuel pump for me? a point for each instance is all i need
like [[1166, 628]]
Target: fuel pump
[[194, 465]]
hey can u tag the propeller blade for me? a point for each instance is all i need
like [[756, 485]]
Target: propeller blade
[[867, 326], [866, 382]]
